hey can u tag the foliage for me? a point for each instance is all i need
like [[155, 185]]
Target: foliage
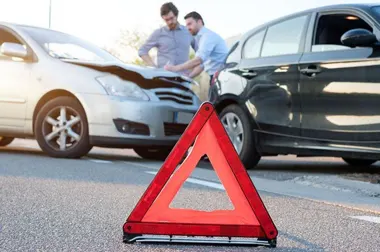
[[128, 42]]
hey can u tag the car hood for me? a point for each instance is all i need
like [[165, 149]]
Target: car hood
[[145, 77], [146, 72]]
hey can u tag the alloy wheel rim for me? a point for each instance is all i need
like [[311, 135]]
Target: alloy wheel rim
[[235, 131], [62, 128]]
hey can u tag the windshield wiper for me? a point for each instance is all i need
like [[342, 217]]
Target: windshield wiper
[[69, 58]]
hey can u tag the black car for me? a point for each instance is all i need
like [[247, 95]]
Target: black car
[[307, 84]]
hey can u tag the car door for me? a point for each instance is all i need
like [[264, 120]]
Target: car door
[[14, 76], [269, 68], [339, 85]]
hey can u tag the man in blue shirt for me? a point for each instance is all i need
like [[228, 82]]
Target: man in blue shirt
[[172, 41], [211, 49]]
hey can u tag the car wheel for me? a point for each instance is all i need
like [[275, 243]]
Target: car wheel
[[61, 128], [4, 141], [359, 162], [239, 129], [153, 154]]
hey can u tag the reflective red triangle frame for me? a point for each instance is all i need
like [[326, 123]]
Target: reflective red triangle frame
[[134, 225]]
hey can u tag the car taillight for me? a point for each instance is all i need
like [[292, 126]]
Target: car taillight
[[214, 77]]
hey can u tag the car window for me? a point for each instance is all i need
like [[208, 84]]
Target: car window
[[231, 56], [376, 11], [65, 46], [253, 45], [284, 38], [330, 29], [6, 36]]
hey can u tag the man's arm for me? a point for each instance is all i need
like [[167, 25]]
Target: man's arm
[[205, 48], [196, 71], [185, 66], [147, 46], [148, 60]]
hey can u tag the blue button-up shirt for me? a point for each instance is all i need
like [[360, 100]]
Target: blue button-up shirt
[[212, 49], [173, 46]]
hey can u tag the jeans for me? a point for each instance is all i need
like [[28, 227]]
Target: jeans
[[211, 76]]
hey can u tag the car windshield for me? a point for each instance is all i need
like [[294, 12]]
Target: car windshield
[[64, 46]]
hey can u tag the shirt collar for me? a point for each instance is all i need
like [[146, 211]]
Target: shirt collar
[[179, 27], [202, 31]]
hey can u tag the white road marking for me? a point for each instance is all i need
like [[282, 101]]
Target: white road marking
[[100, 161], [289, 188], [142, 165], [368, 218], [199, 182]]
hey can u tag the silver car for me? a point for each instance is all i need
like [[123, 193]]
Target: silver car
[[70, 95]]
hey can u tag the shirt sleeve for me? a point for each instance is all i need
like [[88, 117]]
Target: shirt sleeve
[[205, 47], [151, 42]]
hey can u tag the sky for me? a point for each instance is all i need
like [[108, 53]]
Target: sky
[[99, 21]]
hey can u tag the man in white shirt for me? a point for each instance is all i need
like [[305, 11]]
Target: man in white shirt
[[211, 49]]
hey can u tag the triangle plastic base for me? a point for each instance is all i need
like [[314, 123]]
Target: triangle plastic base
[[191, 240]]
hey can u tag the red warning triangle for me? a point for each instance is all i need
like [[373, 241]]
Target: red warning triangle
[[249, 218]]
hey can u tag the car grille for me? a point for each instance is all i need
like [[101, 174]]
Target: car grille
[[177, 97], [174, 129]]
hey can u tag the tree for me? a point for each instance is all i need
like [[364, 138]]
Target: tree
[[126, 46]]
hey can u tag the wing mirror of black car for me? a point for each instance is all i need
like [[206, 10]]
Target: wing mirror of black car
[[358, 37]]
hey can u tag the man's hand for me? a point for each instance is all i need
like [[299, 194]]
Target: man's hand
[[148, 60], [196, 71], [191, 64], [171, 68]]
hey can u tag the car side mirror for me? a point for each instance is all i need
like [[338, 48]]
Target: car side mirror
[[14, 50], [358, 37]]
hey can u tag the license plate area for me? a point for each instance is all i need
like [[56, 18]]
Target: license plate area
[[180, 117]]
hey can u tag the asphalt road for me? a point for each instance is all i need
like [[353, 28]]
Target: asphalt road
[[80, 205]]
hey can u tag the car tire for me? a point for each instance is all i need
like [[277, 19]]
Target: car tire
[[359, 162], [4, 141], [247, 150], [71, 129], [153, 154]]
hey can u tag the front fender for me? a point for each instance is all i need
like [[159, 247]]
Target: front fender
[[228, 99]]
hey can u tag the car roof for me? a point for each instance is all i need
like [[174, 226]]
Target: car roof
[[19, 25], [334, 7], [362, 6], [346, 5]]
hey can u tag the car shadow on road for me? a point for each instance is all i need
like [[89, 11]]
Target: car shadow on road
[[23, 151], [306, 167], [288, 169], [34, 164], [285, 168]]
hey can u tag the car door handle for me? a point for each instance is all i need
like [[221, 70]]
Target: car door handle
[[248, 73], [310, 71]]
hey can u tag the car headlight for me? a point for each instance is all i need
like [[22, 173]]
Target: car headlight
[[118, 87]]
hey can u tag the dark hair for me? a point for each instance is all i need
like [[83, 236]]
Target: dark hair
[[195, 15], [168, 7]]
